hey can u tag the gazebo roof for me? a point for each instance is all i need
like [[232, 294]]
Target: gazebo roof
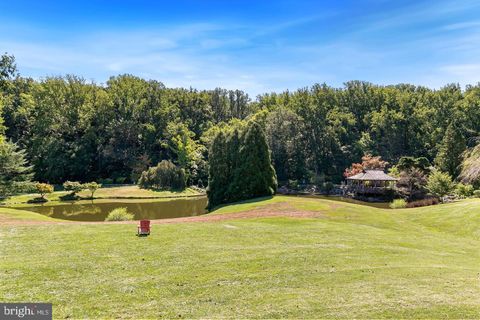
[[372, 175]]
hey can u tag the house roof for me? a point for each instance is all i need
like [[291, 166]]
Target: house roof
[[372, 175]]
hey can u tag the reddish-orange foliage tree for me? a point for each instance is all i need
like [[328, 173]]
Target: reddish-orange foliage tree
[[356, 168], [368, 163]]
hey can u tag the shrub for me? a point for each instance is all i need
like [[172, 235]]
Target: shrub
[[121, 180], [68, 197], [107, 181], [464, 190], [37, 200], [423, 203], [328, 187], [165, 175], [476, 193], [73, 186], [293, 184], [119, 214], [43, 189], [398, 204], [92, 187], [440, 184]]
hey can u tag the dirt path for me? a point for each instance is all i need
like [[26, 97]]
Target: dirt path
[[281, 209]]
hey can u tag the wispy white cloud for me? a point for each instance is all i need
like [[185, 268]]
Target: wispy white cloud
[[462, 73], [265, 30], [420, 12], [179, 56], [262, 56], [461, 25]]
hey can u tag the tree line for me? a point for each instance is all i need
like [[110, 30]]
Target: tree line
[[73, 129]]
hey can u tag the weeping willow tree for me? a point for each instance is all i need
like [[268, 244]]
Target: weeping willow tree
[[470, 167]]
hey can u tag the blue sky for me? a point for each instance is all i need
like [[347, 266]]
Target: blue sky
[[256, 46]]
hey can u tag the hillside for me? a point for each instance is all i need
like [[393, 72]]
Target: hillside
[[278, 257]]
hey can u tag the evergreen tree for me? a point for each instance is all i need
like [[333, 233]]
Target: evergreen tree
[[450, 152], [240, 166], [409, 163], [254, 175], [233, 161], [13, 168], [218, 177]]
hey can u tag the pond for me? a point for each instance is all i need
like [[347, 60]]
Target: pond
[[97, 210]]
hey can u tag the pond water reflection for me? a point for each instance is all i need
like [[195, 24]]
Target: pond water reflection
[[98, 210]]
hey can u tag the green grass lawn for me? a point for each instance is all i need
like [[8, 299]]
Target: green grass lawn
[[351, 261], [123, 192]]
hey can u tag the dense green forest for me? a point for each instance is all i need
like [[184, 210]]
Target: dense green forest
[[73, 129]]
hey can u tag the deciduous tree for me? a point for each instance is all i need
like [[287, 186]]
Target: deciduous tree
[[440, 183], [369, 162], [43, 189]]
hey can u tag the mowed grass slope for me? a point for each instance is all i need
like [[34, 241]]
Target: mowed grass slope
[[349, 261]]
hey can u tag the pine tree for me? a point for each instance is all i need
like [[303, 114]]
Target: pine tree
[[255, 175], [13, 168], [233, 161], [449, 155], [218, 177]]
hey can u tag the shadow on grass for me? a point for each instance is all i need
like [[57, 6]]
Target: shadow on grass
[[240, 202], [69, 197], [37, 200]]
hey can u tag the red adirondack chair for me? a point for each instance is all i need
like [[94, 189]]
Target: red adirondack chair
[[143, 228]]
